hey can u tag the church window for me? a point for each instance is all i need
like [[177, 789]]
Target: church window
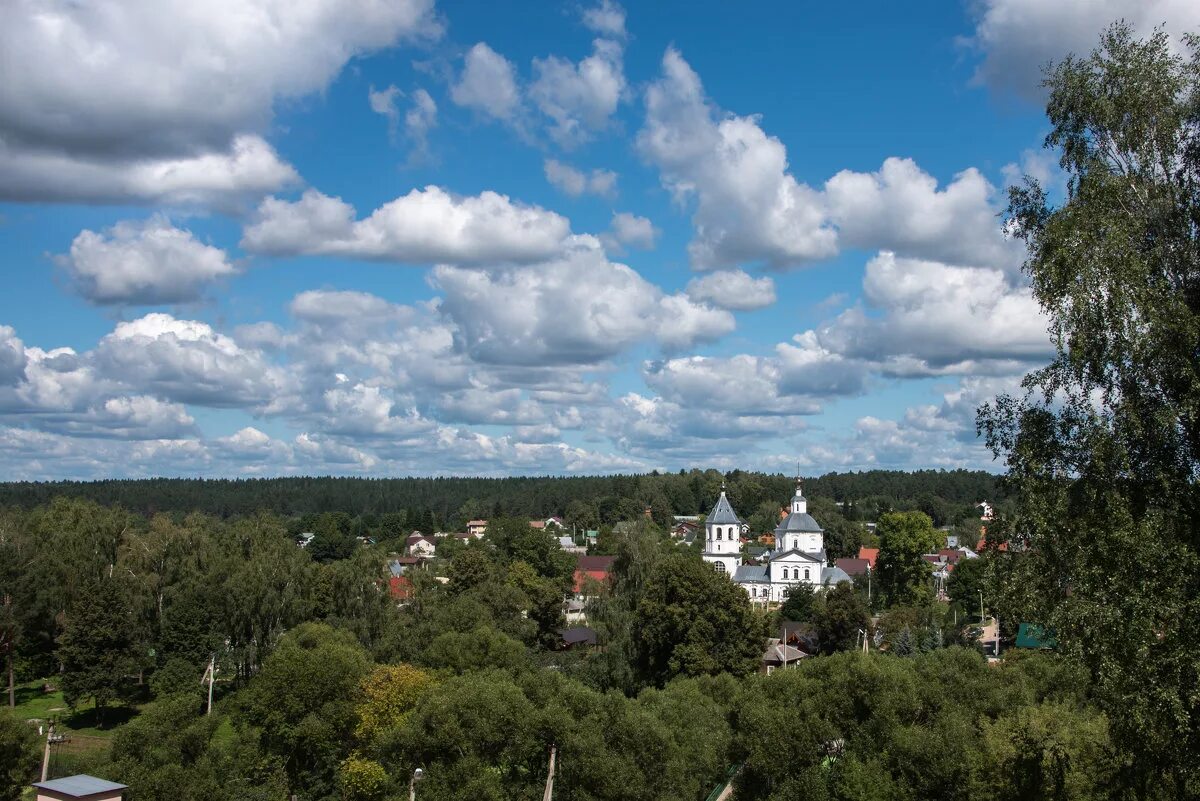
[[720, 566], [806, 574], [795, 572], [718, 533]]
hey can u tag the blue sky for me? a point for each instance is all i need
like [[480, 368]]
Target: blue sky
[[390, 238]]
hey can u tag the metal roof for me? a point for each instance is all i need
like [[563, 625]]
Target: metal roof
[[749, 573], [798, 521], [834, 576], [723, 513], [80, 786]]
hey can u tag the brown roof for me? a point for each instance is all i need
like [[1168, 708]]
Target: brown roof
[[853, 567], [595, 563], [476, 522]]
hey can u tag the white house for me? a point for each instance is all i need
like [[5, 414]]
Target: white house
[[799, 555], [420, 545]]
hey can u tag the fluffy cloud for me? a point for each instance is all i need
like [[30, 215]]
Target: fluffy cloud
[[419, 120], [1018, 37], [938, 319], [188, 362], [580, 309], [606, 19], [384, 103], [488, 84], [748, 207], [248, 168], [630, 230], [733, 289], [579, 98], [900, 208], [574, 182], [164, 89], [426, 225], [12, 356], [143, 263]]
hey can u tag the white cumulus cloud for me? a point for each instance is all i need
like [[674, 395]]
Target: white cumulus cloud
[[426, 225], [733, 289], [143, 263]]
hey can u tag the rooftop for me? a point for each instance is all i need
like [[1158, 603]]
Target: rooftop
[[723, 513], [80, 786]]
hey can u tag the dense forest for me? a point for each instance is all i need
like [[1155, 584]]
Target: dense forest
[[446, 503]]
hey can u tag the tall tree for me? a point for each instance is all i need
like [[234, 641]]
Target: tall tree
[[693, 621], [1104, 447], [97, 646], [842, 619], [903, 574]]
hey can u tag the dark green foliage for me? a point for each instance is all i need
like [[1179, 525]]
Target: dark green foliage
[[97, 647], [302, 700], [842, 619], [1104, 448], [801, 603], [694, 621], [904, 577], [19, 755]]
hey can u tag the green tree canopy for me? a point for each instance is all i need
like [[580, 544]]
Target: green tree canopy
[[904, 577], [693, 621], [1104, 447]]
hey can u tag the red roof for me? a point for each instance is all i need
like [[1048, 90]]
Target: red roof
[[983, 545], [399, 587], [853, 567], [595, 567], [952, 556], [870, 554], [537, 523]]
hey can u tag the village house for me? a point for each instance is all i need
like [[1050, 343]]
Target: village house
[[476, 528], [420, 545], [82, 786], [568, 545], [799, 555], [596, 568]]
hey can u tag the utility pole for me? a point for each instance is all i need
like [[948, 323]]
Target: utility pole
[[210, 674], [549, 794], [46, 755], [981, 607], [412, 784]]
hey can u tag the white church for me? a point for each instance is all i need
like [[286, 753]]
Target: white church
[[799, 555]]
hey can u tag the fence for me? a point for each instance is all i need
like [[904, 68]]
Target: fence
[[76, 753]]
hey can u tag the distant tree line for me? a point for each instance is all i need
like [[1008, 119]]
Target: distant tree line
[[447, 503]]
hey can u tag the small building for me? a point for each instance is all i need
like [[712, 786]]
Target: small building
[[476, 528], [568, 545], [79, 787], [400, 587], [399, 565], [305, 539], [853, 567], [870, 554], [420, 545], [685, 529], [578, 637], [597, 568], [779, 655], [574, 611]]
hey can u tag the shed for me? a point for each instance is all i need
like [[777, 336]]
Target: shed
[[79, 787]]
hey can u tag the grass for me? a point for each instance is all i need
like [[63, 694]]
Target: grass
[[34, 703]]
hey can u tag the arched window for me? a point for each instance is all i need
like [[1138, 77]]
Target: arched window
[[754, 592], [795, 573], [718, 532], [720, 567], [806, 574]]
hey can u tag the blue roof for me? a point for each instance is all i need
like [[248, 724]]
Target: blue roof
[[751, 573], [798, 521], [723, 513], [80, 786]]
